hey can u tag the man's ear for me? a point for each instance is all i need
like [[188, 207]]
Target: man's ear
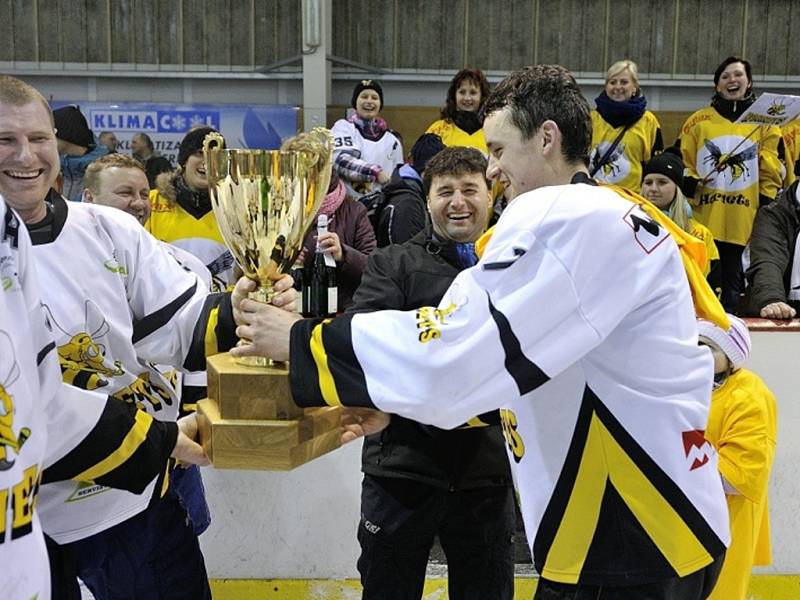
[[551, 136], [87, 196]]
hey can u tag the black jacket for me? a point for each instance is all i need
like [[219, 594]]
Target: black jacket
[[405, 277], [405, 212], [772, 246]]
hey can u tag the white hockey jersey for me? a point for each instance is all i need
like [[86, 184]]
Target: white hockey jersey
[[386, 152], [119, 305], [45, 422], [578, 324]]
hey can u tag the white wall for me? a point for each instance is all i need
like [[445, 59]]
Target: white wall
[[302, 524], [775, 358]]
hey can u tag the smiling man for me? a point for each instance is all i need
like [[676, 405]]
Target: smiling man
[[118, 305], [578, 324], [422, 481]]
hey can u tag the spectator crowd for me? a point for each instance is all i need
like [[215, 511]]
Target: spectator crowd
[[402, 226]]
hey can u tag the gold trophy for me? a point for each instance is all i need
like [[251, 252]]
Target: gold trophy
[[264, 202]]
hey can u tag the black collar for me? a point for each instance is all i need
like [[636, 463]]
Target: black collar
[[582, 177], [48, 229]]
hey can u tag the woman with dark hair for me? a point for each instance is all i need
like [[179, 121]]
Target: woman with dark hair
[[625, 135], [732, 168], [461, 124]]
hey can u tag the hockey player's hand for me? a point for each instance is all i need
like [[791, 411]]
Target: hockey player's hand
[[187, 450], [358, 422], [266, 328], [285, 295]]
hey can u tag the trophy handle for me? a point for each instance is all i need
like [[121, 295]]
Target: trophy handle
[[213, 141]]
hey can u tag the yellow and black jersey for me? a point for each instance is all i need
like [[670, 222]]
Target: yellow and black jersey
[[200, 237], [791, 141], [579, 381], [453, 135], [735, 163], [124, 307], [46, 424], [637, 146], [702, 233]]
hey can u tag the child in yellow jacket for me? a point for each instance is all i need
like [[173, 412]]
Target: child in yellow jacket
[[742, 426]]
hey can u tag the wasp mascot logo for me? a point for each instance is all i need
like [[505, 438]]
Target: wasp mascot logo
[[84, 364], [9, 373], [777, 108], [612, 169], [83, 358], [734, 164]]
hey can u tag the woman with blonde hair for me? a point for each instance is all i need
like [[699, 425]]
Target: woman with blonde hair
[[662, 179], [625, 135]]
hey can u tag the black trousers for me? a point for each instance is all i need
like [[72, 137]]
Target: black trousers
[[154, 555], [399, 520], [696, 586], [730, 274]]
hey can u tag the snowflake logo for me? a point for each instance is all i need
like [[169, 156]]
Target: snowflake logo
[[178, 122], [196, 120]]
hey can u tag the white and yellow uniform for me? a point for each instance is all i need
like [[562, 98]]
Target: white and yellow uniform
[[121, 306], [742, 426], [44, 422], [624, 167], [738, 168], [577, 323]]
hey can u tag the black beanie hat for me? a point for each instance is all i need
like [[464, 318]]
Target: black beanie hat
[[425, 148], [191, 143], [669, 164], [71, 126], [367, 84]]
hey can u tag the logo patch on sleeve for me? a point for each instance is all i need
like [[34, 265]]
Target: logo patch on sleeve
[[696, 447], [647, 232]]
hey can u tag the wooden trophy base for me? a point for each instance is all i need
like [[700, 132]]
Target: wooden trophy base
[[250, 422]]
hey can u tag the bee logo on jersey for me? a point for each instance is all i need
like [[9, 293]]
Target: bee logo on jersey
[[9, 373], [83, 358], [739, 163], [615, 168], [777, 108]]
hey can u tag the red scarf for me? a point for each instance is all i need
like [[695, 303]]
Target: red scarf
[[332, 201]]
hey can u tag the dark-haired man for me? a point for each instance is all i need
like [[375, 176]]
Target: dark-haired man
[[578, 323], [421, 481], [144, 151]]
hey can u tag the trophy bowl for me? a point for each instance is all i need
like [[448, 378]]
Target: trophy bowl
[[265, 201]]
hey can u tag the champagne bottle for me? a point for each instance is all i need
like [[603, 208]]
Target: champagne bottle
[[323, 293]]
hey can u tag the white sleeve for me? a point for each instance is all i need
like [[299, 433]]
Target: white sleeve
[[166, 300], [539, 300]]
